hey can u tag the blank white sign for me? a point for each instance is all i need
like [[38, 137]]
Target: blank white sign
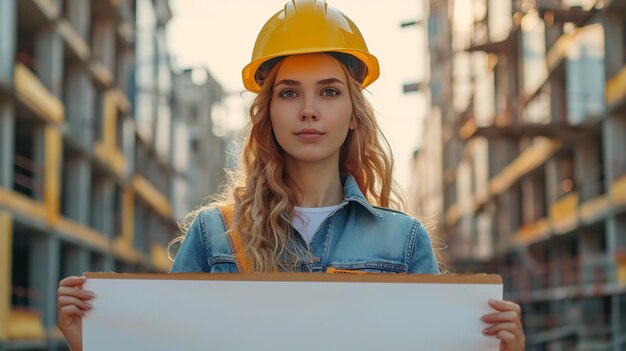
[[187, 312]]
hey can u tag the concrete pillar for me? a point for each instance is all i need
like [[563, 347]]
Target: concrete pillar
[[553, 265], [617, 308], [555, 308], [515, 75], [592, 309], [613, 23], [8, 39], [103, 44], [77, 182], [552, 182], [108, 198], [7, 141], [615, 239], [78, 14], [503, 221], [39, 156], [76, 261], [558, 98], [44, 276], [590, 255], [615, 229], [528, 200], [102, 206], [49, 59], [125, 70], [141, 224], [614, 144], [515, 210], [587, 168], [108, 264], [79, 105]]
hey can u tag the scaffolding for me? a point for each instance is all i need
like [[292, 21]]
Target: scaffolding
[[524, 161], [86, 162]]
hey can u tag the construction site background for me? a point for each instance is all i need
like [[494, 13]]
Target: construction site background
[[105, 145], [523, 159]]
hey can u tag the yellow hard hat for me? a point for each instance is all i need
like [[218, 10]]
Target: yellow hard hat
[[308, 26]]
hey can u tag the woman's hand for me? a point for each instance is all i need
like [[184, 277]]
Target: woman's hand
[[506, 325], [71, 306]]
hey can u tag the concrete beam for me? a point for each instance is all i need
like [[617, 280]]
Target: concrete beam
[[32, 93], [6, 248], [528, 160], [152, 196]]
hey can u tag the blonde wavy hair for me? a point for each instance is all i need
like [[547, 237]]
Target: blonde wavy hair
[[259, 189]]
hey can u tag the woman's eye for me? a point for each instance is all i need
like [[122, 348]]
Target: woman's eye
[[287, 94], [330, 92]]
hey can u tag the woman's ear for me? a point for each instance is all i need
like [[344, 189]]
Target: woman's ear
[[352, 124]]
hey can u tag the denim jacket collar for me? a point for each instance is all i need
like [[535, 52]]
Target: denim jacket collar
[[352, 193]]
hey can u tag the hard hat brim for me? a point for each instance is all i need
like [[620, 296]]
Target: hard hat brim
[[370, 61]]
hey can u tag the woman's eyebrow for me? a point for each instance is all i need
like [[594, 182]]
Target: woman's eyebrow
[[292, 82], [329, 81]]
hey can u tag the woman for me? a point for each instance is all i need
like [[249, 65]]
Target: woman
[[314, 191]]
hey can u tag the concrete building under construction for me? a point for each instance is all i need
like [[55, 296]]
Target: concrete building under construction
[[524, 158], [94, 164]]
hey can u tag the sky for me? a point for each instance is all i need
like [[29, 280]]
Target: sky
[[220, 35]]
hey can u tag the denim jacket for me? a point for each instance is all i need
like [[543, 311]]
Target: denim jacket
[[356, 236]]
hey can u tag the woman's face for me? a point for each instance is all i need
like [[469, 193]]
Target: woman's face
[[311, 109]]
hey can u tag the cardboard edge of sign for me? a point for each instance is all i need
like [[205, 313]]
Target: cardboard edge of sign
[[310, 277]]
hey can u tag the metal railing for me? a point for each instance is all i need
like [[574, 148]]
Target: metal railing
[[28, 176]]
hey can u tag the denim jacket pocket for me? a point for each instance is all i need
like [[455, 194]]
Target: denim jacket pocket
[[367, 267], [222, 264]]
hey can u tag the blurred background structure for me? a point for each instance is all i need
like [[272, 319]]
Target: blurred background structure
[[100, 141], [105, 145], [523, 161]]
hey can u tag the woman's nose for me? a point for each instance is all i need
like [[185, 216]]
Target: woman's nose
[[308, 110]]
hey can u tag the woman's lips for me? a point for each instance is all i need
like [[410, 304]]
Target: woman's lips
[[309, 136]]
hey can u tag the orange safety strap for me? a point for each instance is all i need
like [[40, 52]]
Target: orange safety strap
[[234, 238]]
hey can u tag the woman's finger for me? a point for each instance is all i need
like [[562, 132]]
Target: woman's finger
[[495, 329], [70, 300], [79, 293], [502, 305], [508, 316], [72, 281]]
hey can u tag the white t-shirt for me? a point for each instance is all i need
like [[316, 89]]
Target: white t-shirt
[[308, 219]]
